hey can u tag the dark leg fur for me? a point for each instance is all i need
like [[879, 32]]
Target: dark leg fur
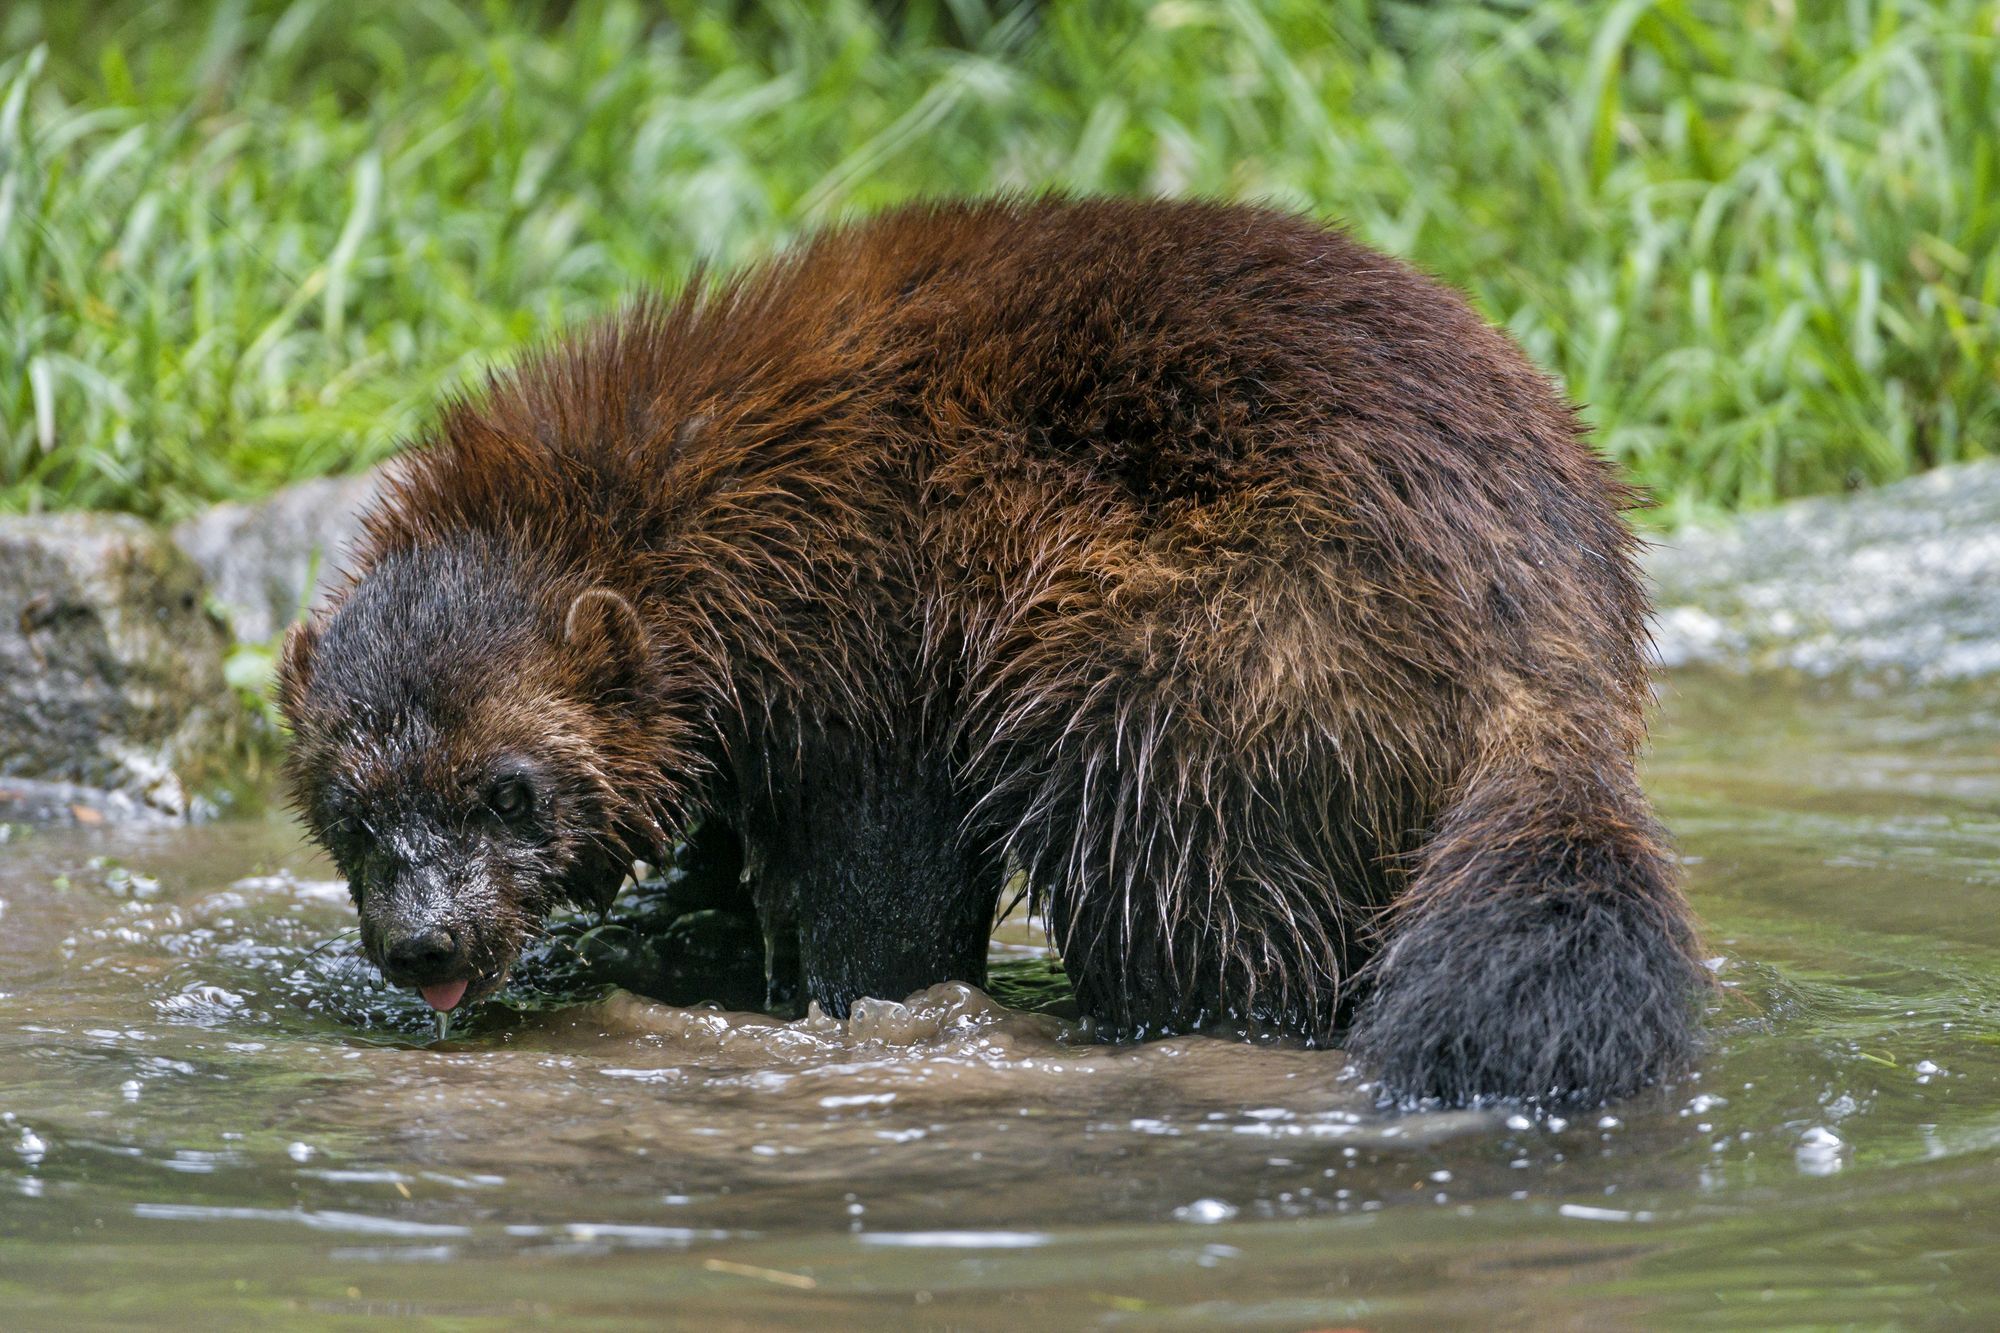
[[1543, 954], [1173, 914], [1268, 953], [710, 863], [777, 919], [861, 877]]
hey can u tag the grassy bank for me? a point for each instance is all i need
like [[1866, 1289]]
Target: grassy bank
[[242, 243]]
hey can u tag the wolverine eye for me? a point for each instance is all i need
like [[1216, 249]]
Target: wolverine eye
[[512, 798], [340, 828]]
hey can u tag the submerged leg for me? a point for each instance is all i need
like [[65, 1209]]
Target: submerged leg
[[862, 878], [1543, 951]]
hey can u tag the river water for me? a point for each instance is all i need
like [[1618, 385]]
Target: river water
[[204, 1121]]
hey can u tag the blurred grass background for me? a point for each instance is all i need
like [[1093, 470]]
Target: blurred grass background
[[247, 242]]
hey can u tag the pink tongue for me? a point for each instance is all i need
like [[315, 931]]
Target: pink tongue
[[443, 995]]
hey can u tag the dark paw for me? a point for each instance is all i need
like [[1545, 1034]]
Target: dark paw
[[1557, 999]]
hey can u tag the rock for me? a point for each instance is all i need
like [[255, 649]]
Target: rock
[[112, 696], [1903, 581], [30, 801], [267, 561]]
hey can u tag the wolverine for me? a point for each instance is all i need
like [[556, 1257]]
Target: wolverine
[[1232, 586]]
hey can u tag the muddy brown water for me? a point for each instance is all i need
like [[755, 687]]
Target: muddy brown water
[[202, 1121]]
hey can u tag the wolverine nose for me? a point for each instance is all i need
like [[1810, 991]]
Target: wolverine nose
[[422, 953]]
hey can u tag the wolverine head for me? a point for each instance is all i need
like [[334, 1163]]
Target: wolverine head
[[473, 742]]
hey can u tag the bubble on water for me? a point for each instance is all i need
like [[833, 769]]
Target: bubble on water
[[957, 1240], [300, 1152], [1206, 1211], [1929, 1067], [952, 1017], [925, 1016], [353, 1176], [123, 881], [285, 884], [201, 1004], [1821, 1152], [397, 1254], [316, 1220], [1593, 1213]]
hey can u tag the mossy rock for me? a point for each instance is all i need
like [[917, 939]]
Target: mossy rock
[[111, 667]]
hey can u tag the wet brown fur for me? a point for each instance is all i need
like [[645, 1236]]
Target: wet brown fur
[[1233, 581]]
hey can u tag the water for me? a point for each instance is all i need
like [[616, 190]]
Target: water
[[201, 1119]]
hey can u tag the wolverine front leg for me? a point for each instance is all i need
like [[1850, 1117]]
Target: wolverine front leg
[[719, 869], [783, 981], [771, 869], [1543, 952], [862, 877]]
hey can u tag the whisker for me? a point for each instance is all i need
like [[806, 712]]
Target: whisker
[[328, 943], [545, 932]]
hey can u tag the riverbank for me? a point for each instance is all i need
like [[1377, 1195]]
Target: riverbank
[[243, 245]]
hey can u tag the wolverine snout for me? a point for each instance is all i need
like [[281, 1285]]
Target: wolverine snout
[[421, 954]]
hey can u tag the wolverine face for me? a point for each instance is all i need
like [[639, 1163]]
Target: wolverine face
[[449, 751]]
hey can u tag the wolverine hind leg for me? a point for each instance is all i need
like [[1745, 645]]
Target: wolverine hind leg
[[1240, 900]]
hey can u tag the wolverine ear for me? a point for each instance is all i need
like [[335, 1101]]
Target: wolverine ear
[[295, 665], [604, 627]]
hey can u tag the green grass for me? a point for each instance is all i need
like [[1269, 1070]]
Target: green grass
[[243, 243]]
